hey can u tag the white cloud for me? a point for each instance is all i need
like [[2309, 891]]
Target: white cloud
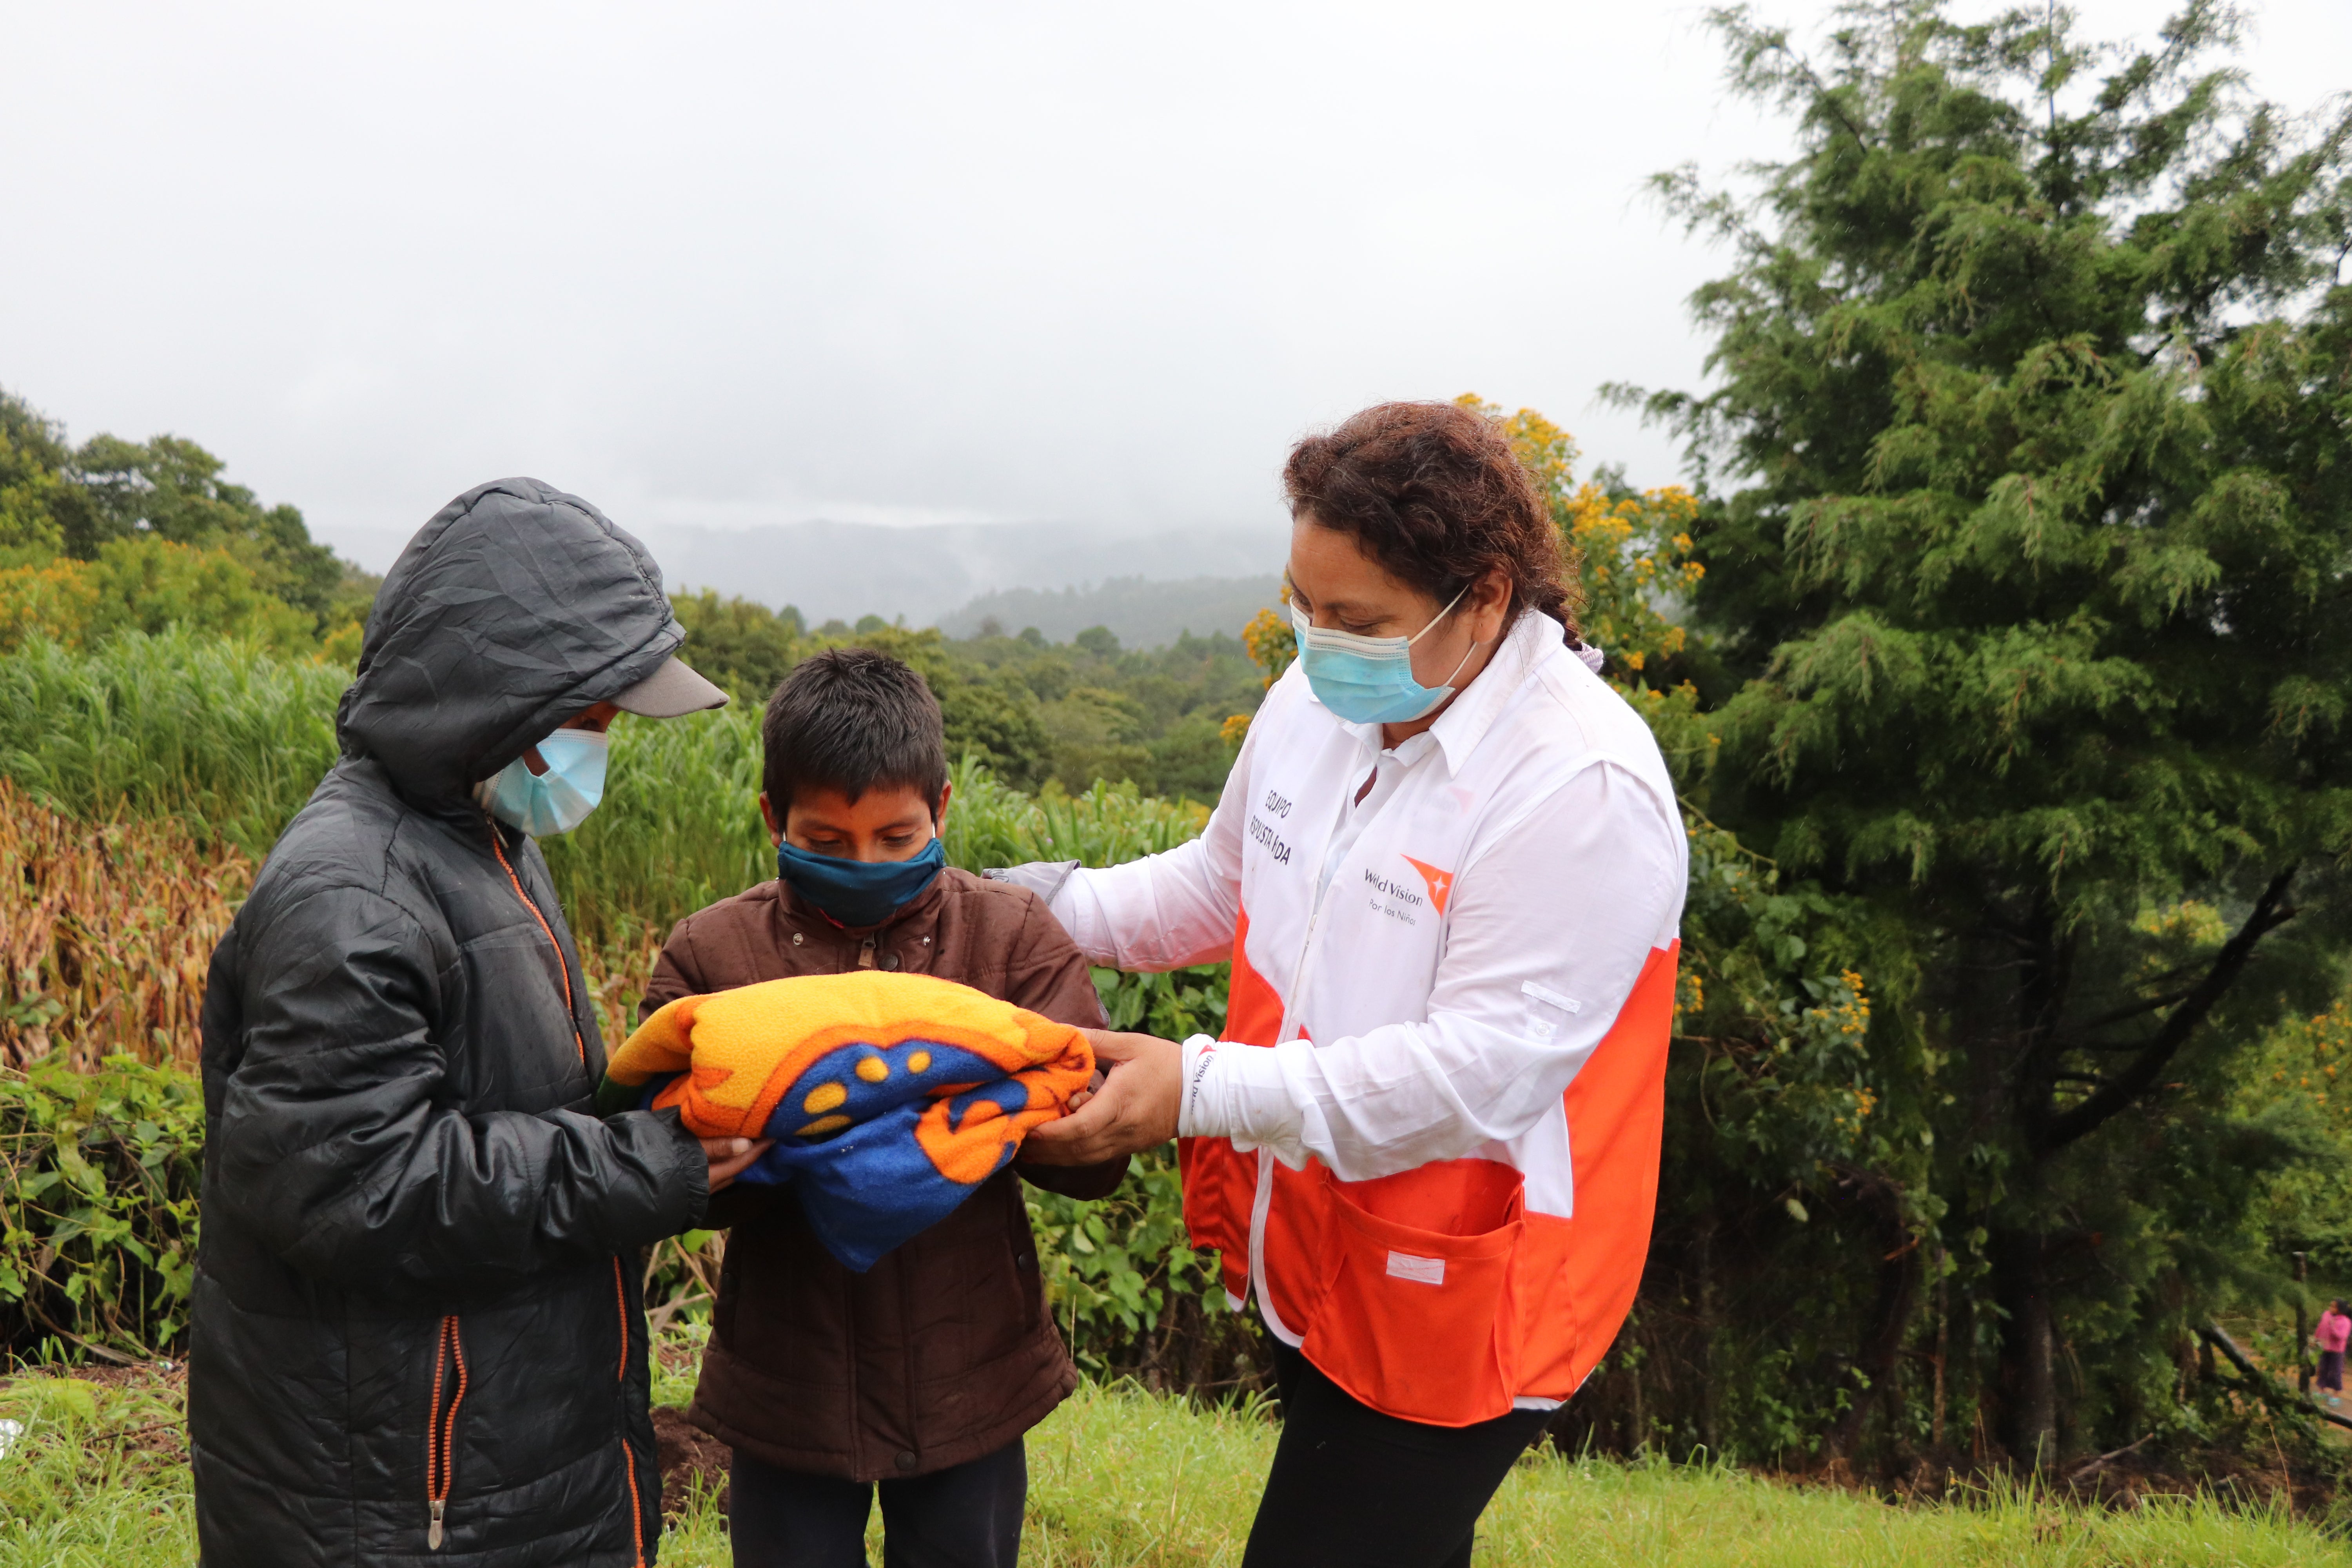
[[717, 264]]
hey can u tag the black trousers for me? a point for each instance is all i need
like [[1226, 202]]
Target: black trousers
[[967, 1516], [1351, 1487]]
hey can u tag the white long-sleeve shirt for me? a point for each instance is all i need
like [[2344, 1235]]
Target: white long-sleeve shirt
[[1445, 953]]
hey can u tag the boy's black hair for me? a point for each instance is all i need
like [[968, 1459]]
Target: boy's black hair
[[853, 720]]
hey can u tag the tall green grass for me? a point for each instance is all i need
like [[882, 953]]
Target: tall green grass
[[679, 827], [991, 824], [232, 741], [229, 739]]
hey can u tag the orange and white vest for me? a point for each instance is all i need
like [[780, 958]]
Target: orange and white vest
[[1472, 1005]]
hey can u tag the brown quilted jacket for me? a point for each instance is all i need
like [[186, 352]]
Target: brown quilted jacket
[[943, 1351]]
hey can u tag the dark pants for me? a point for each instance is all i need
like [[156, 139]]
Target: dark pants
[[2331, 1370], [1351, 1487], [967, 1516]]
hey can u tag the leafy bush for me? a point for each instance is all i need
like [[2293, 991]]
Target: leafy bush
[[1132, 1297], [990, 824], [98, 1177], [148, 585]]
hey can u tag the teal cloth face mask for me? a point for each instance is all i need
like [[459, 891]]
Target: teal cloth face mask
[[558, 800], [859, 892], [1368, 680]]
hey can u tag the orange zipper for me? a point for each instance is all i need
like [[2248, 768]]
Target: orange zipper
[[620, 1292], [561, 966], [440, 1432], [636, 1507]]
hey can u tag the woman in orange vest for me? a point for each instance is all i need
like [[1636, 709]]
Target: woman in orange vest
[[1448, 867]]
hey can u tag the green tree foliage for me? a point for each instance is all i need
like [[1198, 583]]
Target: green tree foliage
[[2028, 625], [32, 458], [170, 488], [110, 501], [745, 646]]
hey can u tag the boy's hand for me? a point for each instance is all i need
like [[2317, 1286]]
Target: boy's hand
[[731, 1157], [1135, 1109]]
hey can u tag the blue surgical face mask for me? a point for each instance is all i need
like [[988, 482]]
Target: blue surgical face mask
[[558, 800], [1368, 680], [859, 892]]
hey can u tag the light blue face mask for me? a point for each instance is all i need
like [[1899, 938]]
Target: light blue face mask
[[558, 800], [1368, 680]]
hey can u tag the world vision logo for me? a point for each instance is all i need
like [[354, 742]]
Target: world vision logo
[[1441, 883]]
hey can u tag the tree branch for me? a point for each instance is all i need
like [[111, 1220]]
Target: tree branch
[[2124, 1014], [2270, 913]]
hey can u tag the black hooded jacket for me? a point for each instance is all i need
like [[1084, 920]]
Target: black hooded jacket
[[416, 1291]]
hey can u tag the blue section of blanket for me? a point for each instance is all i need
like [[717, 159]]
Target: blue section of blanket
[[854, 1149]]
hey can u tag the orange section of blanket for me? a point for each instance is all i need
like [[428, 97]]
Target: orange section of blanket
[[740, 1052]]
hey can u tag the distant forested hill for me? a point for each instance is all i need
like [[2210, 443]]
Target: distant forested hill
[[1034, 709], [1139, 612], [840, 571]]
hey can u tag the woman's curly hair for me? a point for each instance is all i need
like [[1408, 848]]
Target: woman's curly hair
[[1433, 492]]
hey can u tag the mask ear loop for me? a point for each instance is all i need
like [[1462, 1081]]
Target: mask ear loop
[[1448, 682], [1437, 618]]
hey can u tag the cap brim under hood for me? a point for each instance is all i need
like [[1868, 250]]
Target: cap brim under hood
[[670, 692], [514, 608]]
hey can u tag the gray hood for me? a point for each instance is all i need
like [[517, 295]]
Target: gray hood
[[517, 606]]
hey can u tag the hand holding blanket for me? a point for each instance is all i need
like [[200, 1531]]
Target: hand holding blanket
[[891, 1097]]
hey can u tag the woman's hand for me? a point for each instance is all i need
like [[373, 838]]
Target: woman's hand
[[731, 1157], [1133, 1111]]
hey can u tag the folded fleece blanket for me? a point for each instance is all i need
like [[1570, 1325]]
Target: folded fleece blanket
[[891, 1097]]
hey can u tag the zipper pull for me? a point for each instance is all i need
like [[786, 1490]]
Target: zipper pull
[[865, 954], [433, 1536]]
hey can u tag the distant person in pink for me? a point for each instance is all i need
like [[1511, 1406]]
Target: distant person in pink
[[2335, 1328]]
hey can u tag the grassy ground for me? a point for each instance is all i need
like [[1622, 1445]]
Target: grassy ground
[[96, 1478]]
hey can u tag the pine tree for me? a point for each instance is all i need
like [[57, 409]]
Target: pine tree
[[2026, 587]]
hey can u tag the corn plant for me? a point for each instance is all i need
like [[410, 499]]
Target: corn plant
[[106, 935]]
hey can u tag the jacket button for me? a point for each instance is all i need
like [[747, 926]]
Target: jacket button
[[796, 938], [906, 1461], [890, 961]]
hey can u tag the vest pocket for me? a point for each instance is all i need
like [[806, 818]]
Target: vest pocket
[[1218, 1185], [1418, 1322]]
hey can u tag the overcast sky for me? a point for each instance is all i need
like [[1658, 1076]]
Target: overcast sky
[[732, 264]]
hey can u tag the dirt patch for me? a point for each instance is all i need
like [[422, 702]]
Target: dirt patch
[[691, 1460]]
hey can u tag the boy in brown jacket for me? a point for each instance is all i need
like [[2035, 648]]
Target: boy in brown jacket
[[922, 1374]]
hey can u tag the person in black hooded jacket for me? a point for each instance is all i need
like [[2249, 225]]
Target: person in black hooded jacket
[[416, 1334]]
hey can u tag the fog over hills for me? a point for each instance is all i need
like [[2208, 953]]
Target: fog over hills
[[843, 571], [1142, 612]]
